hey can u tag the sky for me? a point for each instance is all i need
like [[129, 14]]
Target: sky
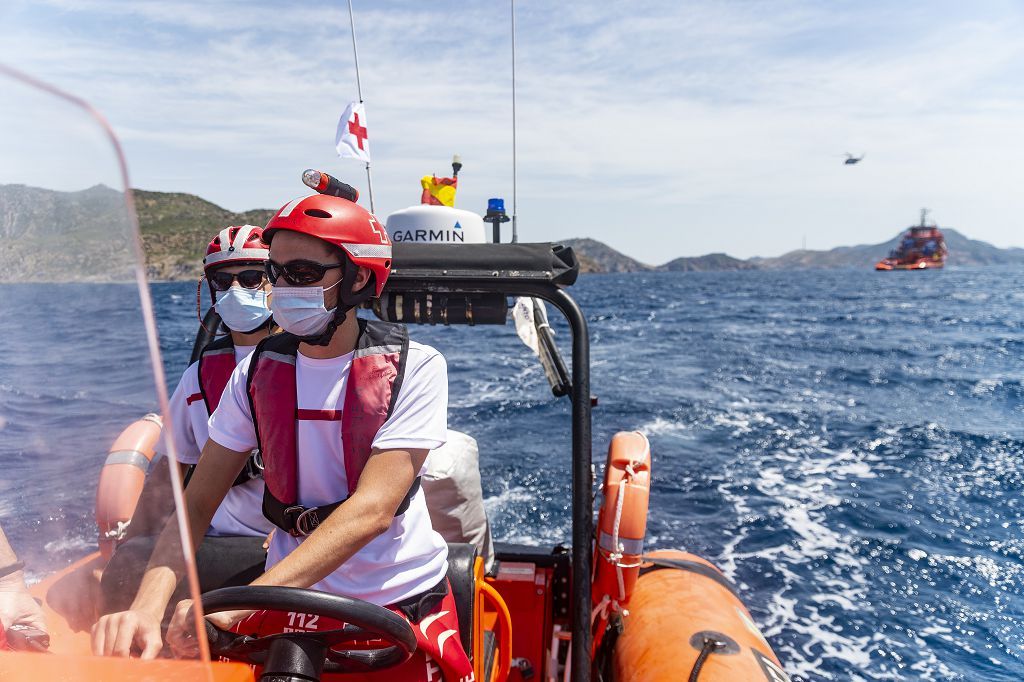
[[664, 129]]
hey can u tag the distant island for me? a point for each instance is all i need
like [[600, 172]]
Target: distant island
[[597, 257], [176, 227]]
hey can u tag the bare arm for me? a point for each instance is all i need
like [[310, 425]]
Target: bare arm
[[16, 605], [368, 512], [217, 469], [78, 595], [116, 633], [156, 502], [7, 555]]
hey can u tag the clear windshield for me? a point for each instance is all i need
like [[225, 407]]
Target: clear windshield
[[77, 371]]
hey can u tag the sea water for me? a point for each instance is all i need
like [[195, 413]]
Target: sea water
[[846, 445]]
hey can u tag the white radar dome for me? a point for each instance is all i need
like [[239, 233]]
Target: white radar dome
[[436, 224]]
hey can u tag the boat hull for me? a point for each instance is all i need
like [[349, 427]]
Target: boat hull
[[70, 658], [84, 668], [923, 264], [690, 603]]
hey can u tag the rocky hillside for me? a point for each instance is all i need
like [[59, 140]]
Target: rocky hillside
[[708, 263], [45, 235], [597, 256], [177, 227], [175, 231]]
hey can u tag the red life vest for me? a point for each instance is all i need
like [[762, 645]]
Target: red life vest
[[216, 363], [375, 377]]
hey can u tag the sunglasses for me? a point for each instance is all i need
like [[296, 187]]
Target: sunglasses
[[299, 272], [248, 279]]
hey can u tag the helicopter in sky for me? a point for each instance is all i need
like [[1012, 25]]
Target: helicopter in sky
[[851, 159]]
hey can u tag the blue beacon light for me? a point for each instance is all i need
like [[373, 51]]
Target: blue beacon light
[[496, 216]]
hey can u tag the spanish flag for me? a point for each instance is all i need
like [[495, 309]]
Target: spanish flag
[[438, 191]]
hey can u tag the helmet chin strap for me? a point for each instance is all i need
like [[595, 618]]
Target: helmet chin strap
[[347, 300]]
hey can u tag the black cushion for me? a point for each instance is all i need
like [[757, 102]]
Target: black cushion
[[461, 557]]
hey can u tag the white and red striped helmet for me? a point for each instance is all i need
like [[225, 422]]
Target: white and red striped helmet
[[237, 245]]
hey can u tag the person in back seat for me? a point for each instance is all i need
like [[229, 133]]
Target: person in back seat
[[234, 268]]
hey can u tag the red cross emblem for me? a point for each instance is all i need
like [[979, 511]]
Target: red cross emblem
[[355, 129], [381, 234]]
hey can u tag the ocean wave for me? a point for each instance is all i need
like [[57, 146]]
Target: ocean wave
[[847, 447]]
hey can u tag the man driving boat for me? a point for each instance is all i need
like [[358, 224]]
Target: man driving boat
[[343, 411], [234, 269]]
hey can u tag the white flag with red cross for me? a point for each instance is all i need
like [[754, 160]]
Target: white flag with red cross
[[351, 139]]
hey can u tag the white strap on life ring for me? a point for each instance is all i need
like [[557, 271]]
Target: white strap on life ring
[[616, 555]]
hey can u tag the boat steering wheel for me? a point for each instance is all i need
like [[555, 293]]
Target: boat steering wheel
[[308, 655]]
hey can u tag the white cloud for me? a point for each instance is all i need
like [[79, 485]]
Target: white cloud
[[720, 126]]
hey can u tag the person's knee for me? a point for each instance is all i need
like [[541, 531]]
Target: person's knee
[[228, 561]]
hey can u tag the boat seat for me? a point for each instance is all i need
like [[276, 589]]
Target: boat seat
[[461, 557]]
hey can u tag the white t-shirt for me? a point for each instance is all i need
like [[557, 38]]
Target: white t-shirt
[[241, 513], [407, 559]]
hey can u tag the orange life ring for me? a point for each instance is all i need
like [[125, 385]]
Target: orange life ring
[[122, 478], [621, 526], [688, 602]]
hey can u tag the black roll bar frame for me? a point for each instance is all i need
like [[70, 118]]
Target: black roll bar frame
[[582, 476]]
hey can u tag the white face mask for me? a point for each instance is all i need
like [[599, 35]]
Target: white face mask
[[242, 310], [300, 310]]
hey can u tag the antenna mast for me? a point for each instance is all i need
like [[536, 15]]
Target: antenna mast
[[359, 90], [515, 233]]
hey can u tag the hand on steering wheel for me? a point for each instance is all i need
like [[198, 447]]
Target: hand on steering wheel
[[362, 621]]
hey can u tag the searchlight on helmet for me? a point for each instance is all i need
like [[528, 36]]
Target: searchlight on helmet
[[330, 185]]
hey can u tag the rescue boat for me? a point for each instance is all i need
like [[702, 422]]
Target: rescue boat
[[922, 247], [600, 606]]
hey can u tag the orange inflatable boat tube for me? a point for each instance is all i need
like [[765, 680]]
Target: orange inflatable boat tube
[[714, 639], [122, 478]]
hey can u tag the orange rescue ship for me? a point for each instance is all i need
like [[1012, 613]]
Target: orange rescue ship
[[922, 247]]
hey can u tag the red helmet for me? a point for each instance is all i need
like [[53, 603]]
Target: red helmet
[[237, 245], [342, 223]]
